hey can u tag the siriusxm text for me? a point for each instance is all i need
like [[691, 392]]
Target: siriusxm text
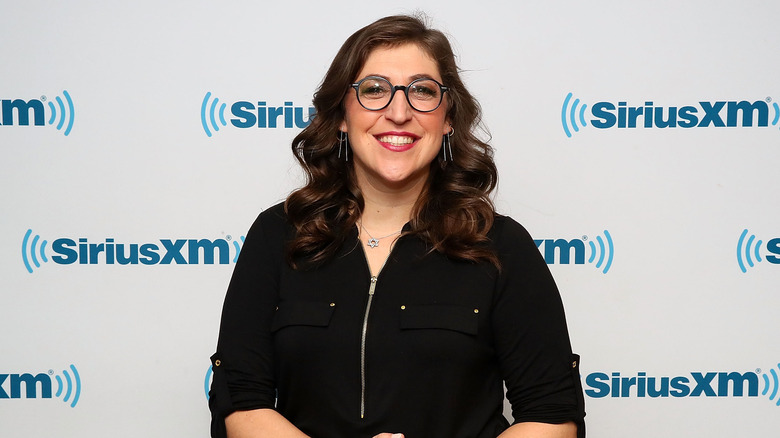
[[563, 248], [773, 246], [167, 251], [697, 384], [247, 115], [704, 114], [24, 110], [30, 383]]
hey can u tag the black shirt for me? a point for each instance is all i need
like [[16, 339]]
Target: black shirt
[[423, 349]]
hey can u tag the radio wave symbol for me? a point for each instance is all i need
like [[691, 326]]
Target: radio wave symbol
[[745, 248], [208, 113], [774, 385], [777, 114], [238, 248], [569, 114], [207, 382], [30, 251], [63, 115], [72, 386], [605, 251]]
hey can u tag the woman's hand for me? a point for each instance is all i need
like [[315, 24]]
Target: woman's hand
[[389, 435]]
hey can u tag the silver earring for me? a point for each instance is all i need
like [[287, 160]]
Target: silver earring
[[344, 141], [446, 144]]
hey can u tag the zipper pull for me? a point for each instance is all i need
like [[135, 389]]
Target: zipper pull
[[373, 285]]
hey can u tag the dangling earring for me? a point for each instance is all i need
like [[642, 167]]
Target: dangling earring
[[344, 141], [446, 144]]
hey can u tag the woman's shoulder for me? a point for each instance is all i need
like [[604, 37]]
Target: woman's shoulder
[[272, 221], [511, 239], [505, 228], [274, 213]]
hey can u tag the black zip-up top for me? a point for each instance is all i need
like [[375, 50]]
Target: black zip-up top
[[422, 349]]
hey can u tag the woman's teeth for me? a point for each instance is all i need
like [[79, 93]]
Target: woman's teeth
[[396, 140]]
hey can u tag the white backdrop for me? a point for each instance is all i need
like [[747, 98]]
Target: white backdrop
[[122, 349]]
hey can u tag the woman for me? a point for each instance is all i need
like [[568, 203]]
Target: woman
[[385, 297]]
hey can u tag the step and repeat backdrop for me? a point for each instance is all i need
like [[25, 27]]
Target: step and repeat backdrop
[[639, 143]]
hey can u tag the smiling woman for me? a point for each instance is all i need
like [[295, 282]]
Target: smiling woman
[[386, 298], [455, 201], [394, 145]]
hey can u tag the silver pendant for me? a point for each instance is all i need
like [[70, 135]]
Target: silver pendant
[[373, 243]]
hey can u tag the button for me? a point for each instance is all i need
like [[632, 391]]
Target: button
[[574, 364], [217, 362], [332, 304], [476, 310], [403, 307]]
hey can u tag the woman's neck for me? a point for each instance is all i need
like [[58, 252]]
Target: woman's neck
[[387, 209]]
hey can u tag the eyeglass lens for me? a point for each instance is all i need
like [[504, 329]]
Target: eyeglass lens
[[376, 93]]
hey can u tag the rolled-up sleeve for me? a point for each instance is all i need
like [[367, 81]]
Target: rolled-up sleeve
[[531, 337], [243, 371]]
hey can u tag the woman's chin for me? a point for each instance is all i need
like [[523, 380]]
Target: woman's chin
[[401, 179]]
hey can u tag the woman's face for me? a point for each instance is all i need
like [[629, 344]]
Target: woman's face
[[392, 148]]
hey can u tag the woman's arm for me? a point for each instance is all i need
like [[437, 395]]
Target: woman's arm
[[260, 423], [243, 368], [532, 343], [541, 430]]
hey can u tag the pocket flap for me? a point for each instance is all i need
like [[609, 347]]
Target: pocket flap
[[309, 313], [439, 316]]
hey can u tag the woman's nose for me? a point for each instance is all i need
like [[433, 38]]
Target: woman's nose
[[399, 110]]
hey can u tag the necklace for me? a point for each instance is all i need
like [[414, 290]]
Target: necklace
[[372, 241]]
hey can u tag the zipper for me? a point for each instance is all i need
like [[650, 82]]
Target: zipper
[[371, 289]]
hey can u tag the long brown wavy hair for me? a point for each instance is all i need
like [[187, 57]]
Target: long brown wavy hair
[[453, 213]]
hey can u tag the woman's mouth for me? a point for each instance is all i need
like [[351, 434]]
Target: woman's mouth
[[397, 142]]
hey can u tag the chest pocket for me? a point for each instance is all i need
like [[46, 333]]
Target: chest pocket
[[439, 316], [302, 313]]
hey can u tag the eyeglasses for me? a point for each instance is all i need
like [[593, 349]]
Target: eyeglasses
[[375, 93]]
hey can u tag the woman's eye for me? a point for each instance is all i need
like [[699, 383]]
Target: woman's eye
[[373, 90], [423, 92]]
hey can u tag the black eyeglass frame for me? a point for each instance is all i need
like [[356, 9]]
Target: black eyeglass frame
[[394, 88]]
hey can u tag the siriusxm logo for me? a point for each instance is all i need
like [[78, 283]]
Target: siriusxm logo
[[562, 251], [695, 384], [22, 112], [66, 251], [248, 114], [750, 249], [12, 385], [605, 115]]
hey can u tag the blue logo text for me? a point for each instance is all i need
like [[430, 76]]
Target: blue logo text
[[22, 112], [248, 114], [703, 114], [30, 386], [67, 251], [694, 384], [564, 252]]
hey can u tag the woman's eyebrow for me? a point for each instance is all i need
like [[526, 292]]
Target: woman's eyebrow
[[375, 75], [420, 76], [411, 78]]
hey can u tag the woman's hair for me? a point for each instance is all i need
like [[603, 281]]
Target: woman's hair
[[453, 213]]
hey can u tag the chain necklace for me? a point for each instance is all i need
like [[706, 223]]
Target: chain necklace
[[372, 241]]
